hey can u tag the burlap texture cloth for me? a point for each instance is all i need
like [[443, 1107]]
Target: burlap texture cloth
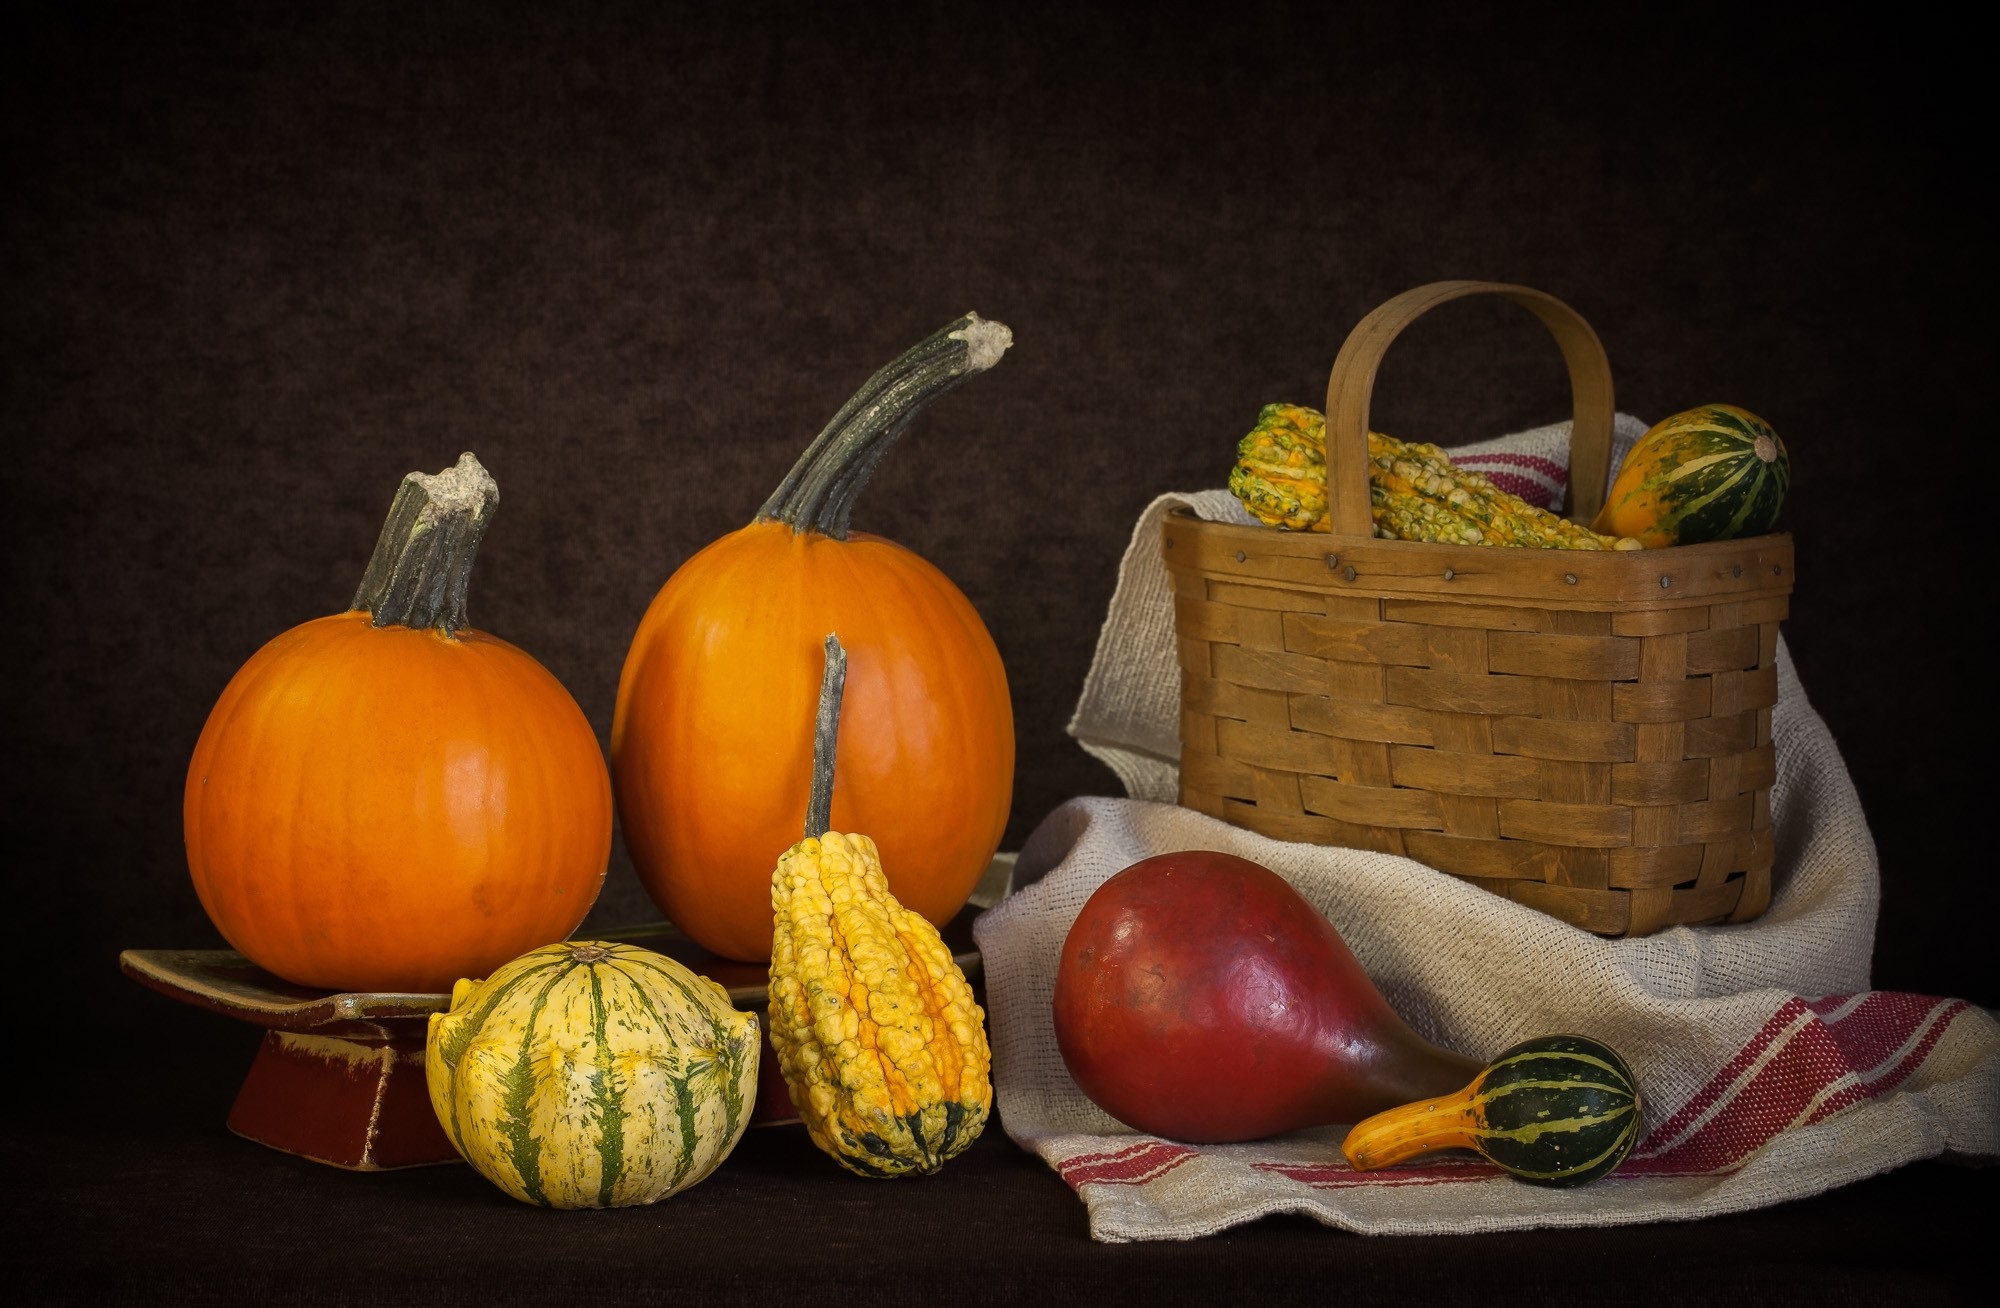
[[1768, 1068]]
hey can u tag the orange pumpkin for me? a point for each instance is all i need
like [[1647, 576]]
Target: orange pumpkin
[[387, 800], [712, 739]]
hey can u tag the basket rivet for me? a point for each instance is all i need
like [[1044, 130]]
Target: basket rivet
[[1239, 556], [1777, 569], [1569, 578], [1333, 560], [1348, 572], [1666, 582], [1736, 570], [1449, 574]]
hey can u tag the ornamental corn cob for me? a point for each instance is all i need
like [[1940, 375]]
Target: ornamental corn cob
[[1415, 492]]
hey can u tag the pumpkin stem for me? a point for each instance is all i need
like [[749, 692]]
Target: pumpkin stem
[[826, 735], [818, 494], [417, 575]]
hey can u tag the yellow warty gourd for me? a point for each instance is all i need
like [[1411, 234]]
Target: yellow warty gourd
[[1415, 492], [876, 1031], [1280, 472]]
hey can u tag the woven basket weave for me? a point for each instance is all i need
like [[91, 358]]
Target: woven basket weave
[[1587, 733]]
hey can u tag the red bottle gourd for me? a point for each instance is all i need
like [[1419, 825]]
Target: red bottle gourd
[[1201, 998]]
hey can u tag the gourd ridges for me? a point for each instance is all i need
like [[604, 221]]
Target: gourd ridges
[[864, 1010], [1738, 510], [1602, 1149], [1554, 1094], [1706, 477], [726, 1060], [729, 1048], [524, 1151], [610, 1116], [536, 1076]]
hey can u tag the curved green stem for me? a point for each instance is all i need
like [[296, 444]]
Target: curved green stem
[[826, 738], [417, 575], [818, 494]]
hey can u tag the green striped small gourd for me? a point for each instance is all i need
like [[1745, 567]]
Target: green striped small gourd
[[1559, 1110], [592, 1075], [1715, 472]]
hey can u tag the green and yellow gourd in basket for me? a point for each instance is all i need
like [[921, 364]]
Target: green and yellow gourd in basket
[[1715, 472], [592, 1075]]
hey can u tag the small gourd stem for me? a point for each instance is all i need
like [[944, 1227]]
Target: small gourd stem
[[818, 494], [826, 737], [1443, 1122], [423, 558]]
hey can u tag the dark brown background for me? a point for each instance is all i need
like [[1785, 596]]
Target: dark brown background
[[260, 262]]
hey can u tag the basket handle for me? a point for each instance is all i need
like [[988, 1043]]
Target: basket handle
[[1352, 385]]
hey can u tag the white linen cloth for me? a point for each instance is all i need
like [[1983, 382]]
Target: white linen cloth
[[1768, 1069]]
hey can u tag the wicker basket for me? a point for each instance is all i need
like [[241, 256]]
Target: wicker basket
[[1585, 733]]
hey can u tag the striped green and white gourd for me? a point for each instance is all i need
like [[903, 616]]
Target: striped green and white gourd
[[1715, 472], [1559, 1110], [593, 1075]]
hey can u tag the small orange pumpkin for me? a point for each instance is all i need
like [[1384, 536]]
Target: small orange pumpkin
[[387, 800], [712, 743]]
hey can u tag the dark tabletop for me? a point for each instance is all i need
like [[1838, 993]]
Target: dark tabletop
[[134, 1192]]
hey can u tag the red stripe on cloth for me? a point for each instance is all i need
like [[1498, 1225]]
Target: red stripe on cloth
[[1539, 481], [1136, 1165], [1140, 1145], [1759, 1106], [1893, 1070], [1111, 1159], [1538, 493], [1723, 1081], [1830, 1007], [1812, 1070], [1880, 1024], [1337, 1176], [1533, 462]]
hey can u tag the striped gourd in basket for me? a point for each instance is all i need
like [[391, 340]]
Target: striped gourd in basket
[[1712, 473]]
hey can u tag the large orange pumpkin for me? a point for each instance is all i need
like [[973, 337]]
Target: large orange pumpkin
[[386, 799], [712, 740]]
